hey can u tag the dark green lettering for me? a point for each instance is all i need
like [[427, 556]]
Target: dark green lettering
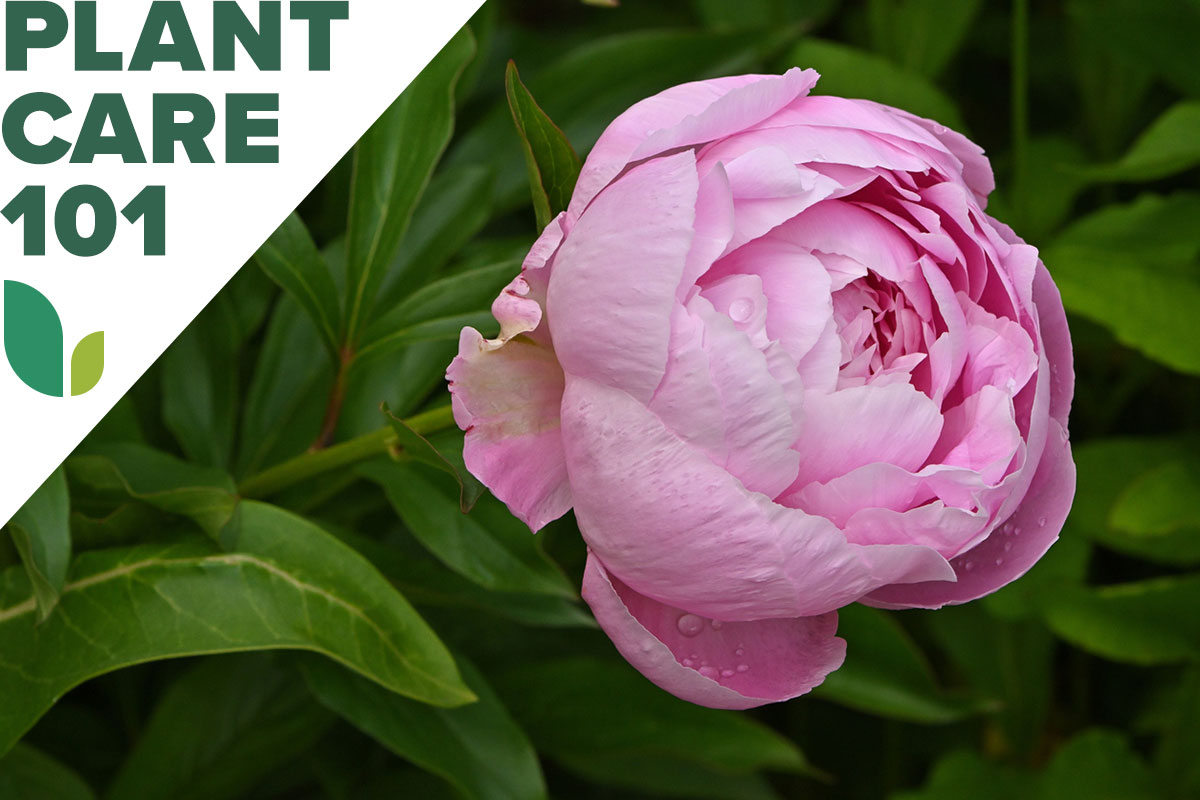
[[164, 16], [88, 57], [264, 44], [19, 39], [93, 142], [14, 128], [320, 15], [191, 134]]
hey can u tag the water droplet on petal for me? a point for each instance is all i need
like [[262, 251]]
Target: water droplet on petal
[[741, 651], [717, 624], [741, 310], [1007, 546], [687, 662], [690, 624], [999, 561], [968, 566], [743, 667], [727, 673], [1041, 522], [709, 672]]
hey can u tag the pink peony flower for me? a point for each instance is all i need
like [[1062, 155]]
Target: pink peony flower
[[778, 359]]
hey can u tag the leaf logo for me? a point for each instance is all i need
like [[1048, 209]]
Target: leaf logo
[[33, 342]]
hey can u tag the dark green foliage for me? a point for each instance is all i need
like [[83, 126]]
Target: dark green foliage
[[1081, 680]]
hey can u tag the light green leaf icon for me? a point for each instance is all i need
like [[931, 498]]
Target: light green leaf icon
[[33, 338], [87, 363]]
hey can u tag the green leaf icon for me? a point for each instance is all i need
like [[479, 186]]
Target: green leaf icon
[[33, 338], [87, 363]]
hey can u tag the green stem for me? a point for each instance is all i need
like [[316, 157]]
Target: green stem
[[1020, 105], [318, 462]]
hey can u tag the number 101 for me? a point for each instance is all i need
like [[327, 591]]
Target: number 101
[[150, 205]]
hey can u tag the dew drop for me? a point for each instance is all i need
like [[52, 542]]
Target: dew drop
[[741, 651], [1007, 546], [727, 673], [1041, 522], [687, 662], [690, 624], [709, 672], [999, 561], [970, 565], [741, 310], [743, 667], [717, 624]]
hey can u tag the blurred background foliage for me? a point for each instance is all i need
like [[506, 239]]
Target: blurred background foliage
[[1082, 680]]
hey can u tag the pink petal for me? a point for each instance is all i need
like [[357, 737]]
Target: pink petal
[[506, 396], [1014, 547], [683, 530], [685, 115], [733, 665], [842, 431], [980, 435], [616, 275]]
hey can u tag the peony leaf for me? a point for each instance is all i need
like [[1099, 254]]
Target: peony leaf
[[291, 258], [283, 584], [393, 163], [121, 470], [487, 546], [416, 447], [886, 674], [637, 736], [921, 35], [219, 729], [552, 163], [1169, 146], [1135, 623], [1133, 269], [42, 535], [29, 774], [87, 363], [478, 748], [33, 338]]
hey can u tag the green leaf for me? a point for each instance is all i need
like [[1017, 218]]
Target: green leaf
[[443, 305], [452, 211], [762, 15], [87, 363], [416, 447], [477, 748], [219, 729], [427, 582], [886, 674], [284, 584], [1133, 270], [291, 258], [286, 400], [601, 718], [966, 775], [552, 163], [1046, 190], [42, 534], [1169, 146], [850, 72], [1098, 764], [200, 375], [1108, 470], [206, 496], [1161, 501], [392, 166], [920, 35], [33, 338], [29, 774], [488, 546], [1136, 623]]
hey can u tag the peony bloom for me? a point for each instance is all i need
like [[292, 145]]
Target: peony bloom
[[778, 359]]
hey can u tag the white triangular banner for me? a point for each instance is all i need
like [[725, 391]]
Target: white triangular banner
[[216, 214]]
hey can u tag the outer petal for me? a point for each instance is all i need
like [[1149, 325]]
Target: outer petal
[[1010, 551], [684, 531], [720, 665], [616, 274], [690, 114], [506, 397]]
